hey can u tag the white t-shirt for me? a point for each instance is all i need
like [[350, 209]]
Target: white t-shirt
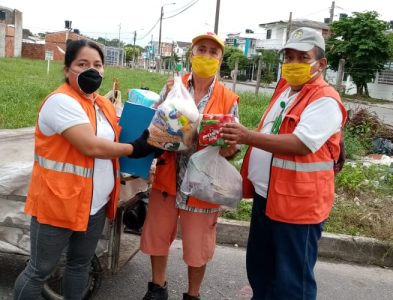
[[61, 112], [318, 122]]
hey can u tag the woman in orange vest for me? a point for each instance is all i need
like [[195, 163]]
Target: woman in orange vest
[[75, 179], [289, 170], [168, 206]]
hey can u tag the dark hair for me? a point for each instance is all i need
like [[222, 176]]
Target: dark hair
[[73, 48], [319, 53]]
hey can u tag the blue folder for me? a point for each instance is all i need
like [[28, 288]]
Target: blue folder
[[134, 119]]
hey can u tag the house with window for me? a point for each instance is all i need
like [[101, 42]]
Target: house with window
[[380, 88], [11, 32], [277, 32], [245, 41]]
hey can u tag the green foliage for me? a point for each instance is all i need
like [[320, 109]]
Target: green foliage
[[361, 129], [355, 146], [361, 41], [226, 67], [111, 43], [357, 178], [130, 52], [242, 213], [270, 60], [243, 61], [24, 84], [390, 41], [251, 108]]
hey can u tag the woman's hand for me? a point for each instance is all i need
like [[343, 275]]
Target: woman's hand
[[169, 85], [235, 133]]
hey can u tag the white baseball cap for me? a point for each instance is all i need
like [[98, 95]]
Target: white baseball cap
[[304, 39]]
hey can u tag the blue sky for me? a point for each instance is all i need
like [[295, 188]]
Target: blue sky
[[107, 18]]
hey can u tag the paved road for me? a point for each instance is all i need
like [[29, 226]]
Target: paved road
[[225, 278], [383, 111]]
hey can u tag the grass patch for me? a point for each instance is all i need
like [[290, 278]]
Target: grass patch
[[25, 83], [364, 202], [242, 213]]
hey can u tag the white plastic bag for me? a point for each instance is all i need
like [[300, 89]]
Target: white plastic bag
[[174, 124], [210, 177]]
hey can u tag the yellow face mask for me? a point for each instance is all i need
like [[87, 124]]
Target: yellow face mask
[[204, 66], [297, 73]]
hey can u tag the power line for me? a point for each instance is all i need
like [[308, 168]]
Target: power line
[[176, 10], [183, 10], [151, 29]]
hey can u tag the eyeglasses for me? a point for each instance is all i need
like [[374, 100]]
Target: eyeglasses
[[206, 51]]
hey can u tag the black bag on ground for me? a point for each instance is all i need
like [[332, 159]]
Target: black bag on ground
[[134, 216]]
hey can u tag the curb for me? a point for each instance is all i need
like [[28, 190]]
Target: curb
[[348, 248], [249, 84]]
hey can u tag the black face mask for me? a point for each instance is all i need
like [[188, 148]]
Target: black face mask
[[89, 81]]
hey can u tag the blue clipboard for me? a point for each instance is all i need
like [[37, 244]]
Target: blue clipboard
[[134, 119]]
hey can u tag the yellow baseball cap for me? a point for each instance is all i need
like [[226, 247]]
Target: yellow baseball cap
[[209, 36]]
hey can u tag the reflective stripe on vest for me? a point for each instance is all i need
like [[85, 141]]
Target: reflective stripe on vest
[[63, 167], [302, 167]]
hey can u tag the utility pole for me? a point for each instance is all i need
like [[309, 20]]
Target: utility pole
[[258, 83], [217, 17], [159, 36], [289, 25], [234, 79], [134, 48], [332, 13], [152, 52], [118, 45], [340, 75], [159, 40]]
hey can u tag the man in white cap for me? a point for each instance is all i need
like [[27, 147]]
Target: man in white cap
[[167, 204], [289, 171]]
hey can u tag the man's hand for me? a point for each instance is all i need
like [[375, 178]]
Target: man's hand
[[229, 152], [141, 148], [235, 133]]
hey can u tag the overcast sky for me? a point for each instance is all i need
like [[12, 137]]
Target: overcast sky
[[102, 18]]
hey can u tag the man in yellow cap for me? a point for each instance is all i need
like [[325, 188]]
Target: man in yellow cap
[[168, 206]]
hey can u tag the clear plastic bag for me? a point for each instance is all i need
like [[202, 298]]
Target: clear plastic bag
[[210, 177], [174, 124]]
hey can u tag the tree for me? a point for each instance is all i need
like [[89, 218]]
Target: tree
[[390, 41], [109, 43], [130, 53], [361, 41], [228, 61], [26, 33], [270, 60]]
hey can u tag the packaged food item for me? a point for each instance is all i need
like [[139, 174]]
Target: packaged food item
[[143, 97], [209, 129], [174, 124]]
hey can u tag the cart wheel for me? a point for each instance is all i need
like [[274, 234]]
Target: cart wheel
[[53, 288]]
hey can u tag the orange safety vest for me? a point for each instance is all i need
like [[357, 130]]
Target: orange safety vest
[[221, 102], [301, 187], [61, 187]]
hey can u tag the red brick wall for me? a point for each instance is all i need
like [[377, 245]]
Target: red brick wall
[[33, 51], [9, 41], [57, 40]]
